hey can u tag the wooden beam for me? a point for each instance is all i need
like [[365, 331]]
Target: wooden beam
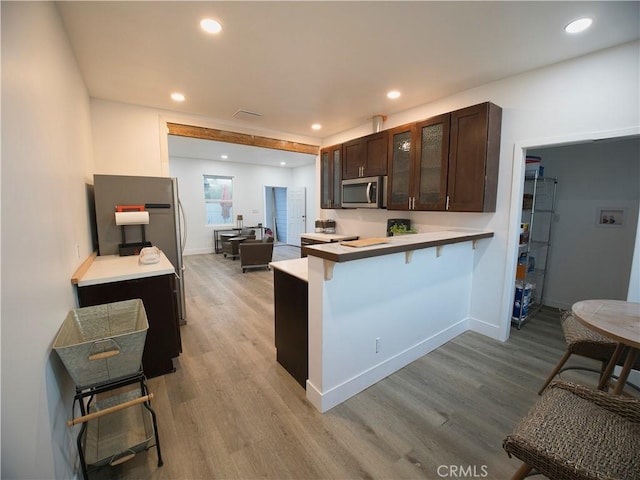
[[240, 138]]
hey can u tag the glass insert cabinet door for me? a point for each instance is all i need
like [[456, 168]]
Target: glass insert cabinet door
[[325, 180], [400, 170], [419, 162], [330, 177], [337, 179], [431, 167]]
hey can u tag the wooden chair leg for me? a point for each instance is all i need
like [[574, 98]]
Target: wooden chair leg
[[555, 371], [604, 378], [522, 472]]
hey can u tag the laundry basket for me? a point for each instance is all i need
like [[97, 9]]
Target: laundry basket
[[103, 343], [119, 436]]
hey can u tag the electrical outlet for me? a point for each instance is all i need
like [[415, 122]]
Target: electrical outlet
[[378, 345]]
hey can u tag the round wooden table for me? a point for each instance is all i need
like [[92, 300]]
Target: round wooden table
[[618, 320]]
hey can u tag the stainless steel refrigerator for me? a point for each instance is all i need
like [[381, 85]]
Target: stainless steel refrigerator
[[167, 224]]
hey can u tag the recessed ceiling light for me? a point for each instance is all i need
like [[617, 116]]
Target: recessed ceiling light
[[316, 126], [283, 163], [178, 97], [578, 26], [224, 157], [393, 94], [210, 26]]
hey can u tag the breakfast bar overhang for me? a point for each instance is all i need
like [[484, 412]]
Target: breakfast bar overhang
[[375, 309]]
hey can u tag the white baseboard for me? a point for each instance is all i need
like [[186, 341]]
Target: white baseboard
[[328, 399], [487, 329], [197, 251]]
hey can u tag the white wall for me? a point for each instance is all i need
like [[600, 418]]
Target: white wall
[[132, 140], [587, 97], [306, 177], [127, 140], [248, 192], [361, 332], [46, 162], [587, 260]]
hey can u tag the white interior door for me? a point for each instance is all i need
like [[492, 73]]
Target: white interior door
[[296, 214]]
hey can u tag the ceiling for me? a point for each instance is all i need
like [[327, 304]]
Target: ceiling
[[332, 62]]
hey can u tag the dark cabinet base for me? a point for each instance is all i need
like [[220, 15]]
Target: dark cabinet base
[[291, 324], [158, 295]]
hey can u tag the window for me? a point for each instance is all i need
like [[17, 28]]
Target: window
[[218, 197]]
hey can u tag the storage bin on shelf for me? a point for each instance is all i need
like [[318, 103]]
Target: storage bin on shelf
[[526, 264], [532, 165], [103, 343], [524, 233], [522, 299]]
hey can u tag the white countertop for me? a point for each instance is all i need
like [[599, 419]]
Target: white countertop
[[298, 267], [328, 237], [114, 268]]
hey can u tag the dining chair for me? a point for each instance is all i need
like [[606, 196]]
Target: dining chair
[[574, 432], [581, 341]]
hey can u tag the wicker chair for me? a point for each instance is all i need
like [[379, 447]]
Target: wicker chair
[[575, 432], [585, 342]]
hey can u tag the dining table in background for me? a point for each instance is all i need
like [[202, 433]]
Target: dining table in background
[[620, 321]]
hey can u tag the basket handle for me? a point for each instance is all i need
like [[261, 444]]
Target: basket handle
[[100, 413], [106, 354]]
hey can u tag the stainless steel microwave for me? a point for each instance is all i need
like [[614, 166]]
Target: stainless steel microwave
[[366, 192]]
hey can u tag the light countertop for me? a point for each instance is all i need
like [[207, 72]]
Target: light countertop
[[337, 252], [328, 237], [114, 268], [298, 267]]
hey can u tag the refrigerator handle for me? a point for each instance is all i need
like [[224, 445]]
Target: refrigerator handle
[[184, 230]]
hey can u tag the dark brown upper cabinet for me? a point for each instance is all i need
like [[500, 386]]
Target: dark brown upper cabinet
[[331, 177], [474, 154], [418, 164], [365, 156], [448, 162]]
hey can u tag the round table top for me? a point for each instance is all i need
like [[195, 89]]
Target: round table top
[[615, 319]]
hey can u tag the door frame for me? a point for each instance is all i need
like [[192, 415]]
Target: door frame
[[517, 189]]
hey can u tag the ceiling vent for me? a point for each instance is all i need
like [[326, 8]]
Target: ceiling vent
[[246, 115]]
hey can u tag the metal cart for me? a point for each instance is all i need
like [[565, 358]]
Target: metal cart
[[101, 347]]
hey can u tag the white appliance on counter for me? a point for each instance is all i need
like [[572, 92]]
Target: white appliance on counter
[[165, 230]]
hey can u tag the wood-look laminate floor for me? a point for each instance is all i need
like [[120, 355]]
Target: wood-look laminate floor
[[230, 411]]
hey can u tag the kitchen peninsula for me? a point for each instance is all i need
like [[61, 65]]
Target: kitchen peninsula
[[374, 309], [307, 239]]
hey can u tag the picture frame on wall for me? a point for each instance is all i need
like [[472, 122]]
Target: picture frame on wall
[[610, 217]]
